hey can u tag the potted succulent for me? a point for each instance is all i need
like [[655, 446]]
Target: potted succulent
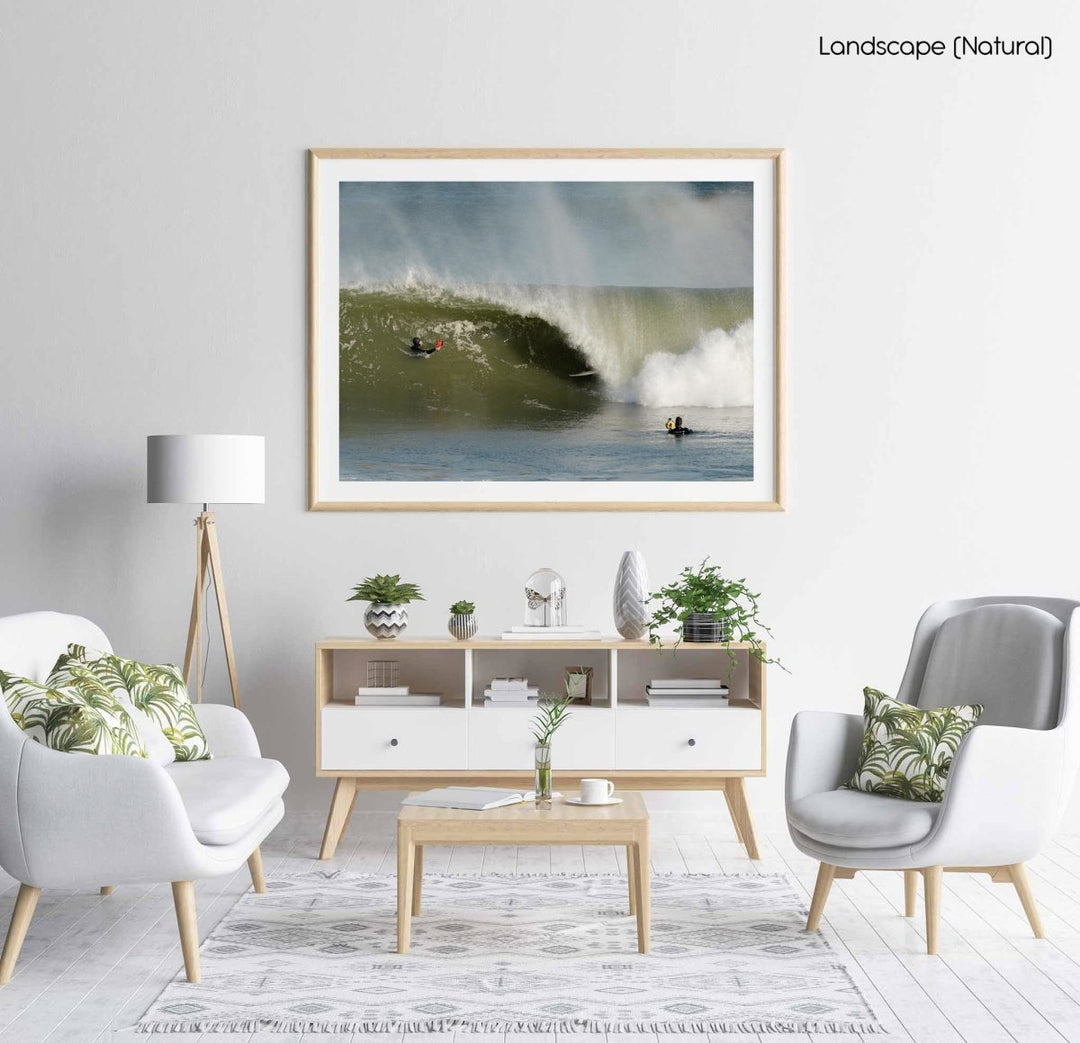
[[551, 715], [462, 620], [386, 615], [706, 605]]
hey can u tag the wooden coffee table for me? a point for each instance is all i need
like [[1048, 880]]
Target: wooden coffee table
[[521, 824]]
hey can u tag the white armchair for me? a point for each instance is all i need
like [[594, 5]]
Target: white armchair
[[74, 821], [1010, 780]]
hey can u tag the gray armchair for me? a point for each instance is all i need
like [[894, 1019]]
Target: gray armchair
[[1010, 780]]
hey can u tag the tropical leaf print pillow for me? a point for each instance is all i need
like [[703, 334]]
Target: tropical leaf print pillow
[[907, 752], [84, 678], [158, 692], [70, 720]]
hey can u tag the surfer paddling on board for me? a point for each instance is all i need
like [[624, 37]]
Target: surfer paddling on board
[[419, 350]]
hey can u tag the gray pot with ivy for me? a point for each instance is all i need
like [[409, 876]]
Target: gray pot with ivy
[[551, 715], [706, 606], [462, 623], [386, 616]]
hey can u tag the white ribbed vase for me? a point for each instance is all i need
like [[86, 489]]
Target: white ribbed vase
[[386, 621], [631, 590]]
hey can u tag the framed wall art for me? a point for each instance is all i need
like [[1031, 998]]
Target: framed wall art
[[570, 329]]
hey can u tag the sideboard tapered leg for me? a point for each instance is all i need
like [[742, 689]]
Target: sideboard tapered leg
[[340, 809], [735, 793]]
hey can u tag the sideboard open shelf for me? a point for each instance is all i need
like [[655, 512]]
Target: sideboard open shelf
[[464, 741]]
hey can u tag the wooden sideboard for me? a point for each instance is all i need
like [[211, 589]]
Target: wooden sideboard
[[619, 736]]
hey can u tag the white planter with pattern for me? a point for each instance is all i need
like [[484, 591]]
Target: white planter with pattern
[[462, 625], [386, 621]]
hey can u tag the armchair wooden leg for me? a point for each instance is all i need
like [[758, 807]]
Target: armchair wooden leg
[[825, 876], [187, 920], [1027, 899], [106, 891], [911, 886], [932, 888], [255, 867], [20, 921]]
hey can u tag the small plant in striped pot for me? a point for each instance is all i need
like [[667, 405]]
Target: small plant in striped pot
[[462, 620], [386, 615]]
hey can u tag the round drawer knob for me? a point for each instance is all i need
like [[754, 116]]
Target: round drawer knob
[[691, 742], [393, 742]]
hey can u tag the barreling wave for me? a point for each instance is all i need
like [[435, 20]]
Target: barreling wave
[[652, 346]]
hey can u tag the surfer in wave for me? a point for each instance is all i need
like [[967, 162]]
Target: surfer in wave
[[677, 428], [419, 350]]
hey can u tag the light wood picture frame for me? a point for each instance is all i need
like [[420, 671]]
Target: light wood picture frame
[[567, 306]]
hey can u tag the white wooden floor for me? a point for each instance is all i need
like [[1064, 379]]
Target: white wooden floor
[[91, 965]]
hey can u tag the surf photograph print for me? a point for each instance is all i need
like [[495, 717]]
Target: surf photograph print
[[559, 330]]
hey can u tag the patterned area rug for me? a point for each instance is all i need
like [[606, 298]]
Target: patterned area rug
[[516, 953]]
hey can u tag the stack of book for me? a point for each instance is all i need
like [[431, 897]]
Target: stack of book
[[394, 695], [686, 691], [511, 691], [563, 633]]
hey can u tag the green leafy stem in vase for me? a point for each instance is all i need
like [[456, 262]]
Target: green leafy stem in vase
[[462, 608], [551, 715]]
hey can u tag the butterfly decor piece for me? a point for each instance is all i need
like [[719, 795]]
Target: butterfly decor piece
[[536, 599], [545, 599]]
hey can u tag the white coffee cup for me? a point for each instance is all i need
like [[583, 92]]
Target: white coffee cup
[[596, 791]]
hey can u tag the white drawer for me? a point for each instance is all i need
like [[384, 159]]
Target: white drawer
[[501, 740], [725, 738], [375, 739]]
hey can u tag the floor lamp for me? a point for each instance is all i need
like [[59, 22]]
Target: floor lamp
[[206, 469]]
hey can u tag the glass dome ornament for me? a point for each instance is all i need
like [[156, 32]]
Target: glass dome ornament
[[545, 599]]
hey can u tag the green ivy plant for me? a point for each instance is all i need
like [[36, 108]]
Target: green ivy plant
[[386, 590], [462, 608], [706, 589]]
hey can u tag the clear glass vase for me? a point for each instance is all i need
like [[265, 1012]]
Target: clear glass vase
[[543, 776]]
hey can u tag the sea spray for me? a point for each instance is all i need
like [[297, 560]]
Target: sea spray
[[535, 232]]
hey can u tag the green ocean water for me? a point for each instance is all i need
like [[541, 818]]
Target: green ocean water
[[534, 383]]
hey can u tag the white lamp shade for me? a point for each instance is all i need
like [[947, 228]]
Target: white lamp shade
[[205, 469]]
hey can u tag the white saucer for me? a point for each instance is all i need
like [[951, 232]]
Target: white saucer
[[593, 803]]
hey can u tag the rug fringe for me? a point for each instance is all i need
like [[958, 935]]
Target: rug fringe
[[329, 874], [533, 1025]]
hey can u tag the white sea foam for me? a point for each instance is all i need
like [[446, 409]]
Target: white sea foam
[[717, 371]]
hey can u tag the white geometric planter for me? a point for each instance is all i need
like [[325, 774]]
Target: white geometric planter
[[631, 590], [386, 621]]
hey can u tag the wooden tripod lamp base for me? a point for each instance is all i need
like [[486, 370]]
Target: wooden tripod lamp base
[[206, 469], [208, 563]]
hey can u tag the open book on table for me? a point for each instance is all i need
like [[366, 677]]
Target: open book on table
[[469, 798]]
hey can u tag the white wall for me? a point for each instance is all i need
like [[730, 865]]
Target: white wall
[[153, 252]]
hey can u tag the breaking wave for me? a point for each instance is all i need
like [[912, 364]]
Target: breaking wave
[[656, 347]]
